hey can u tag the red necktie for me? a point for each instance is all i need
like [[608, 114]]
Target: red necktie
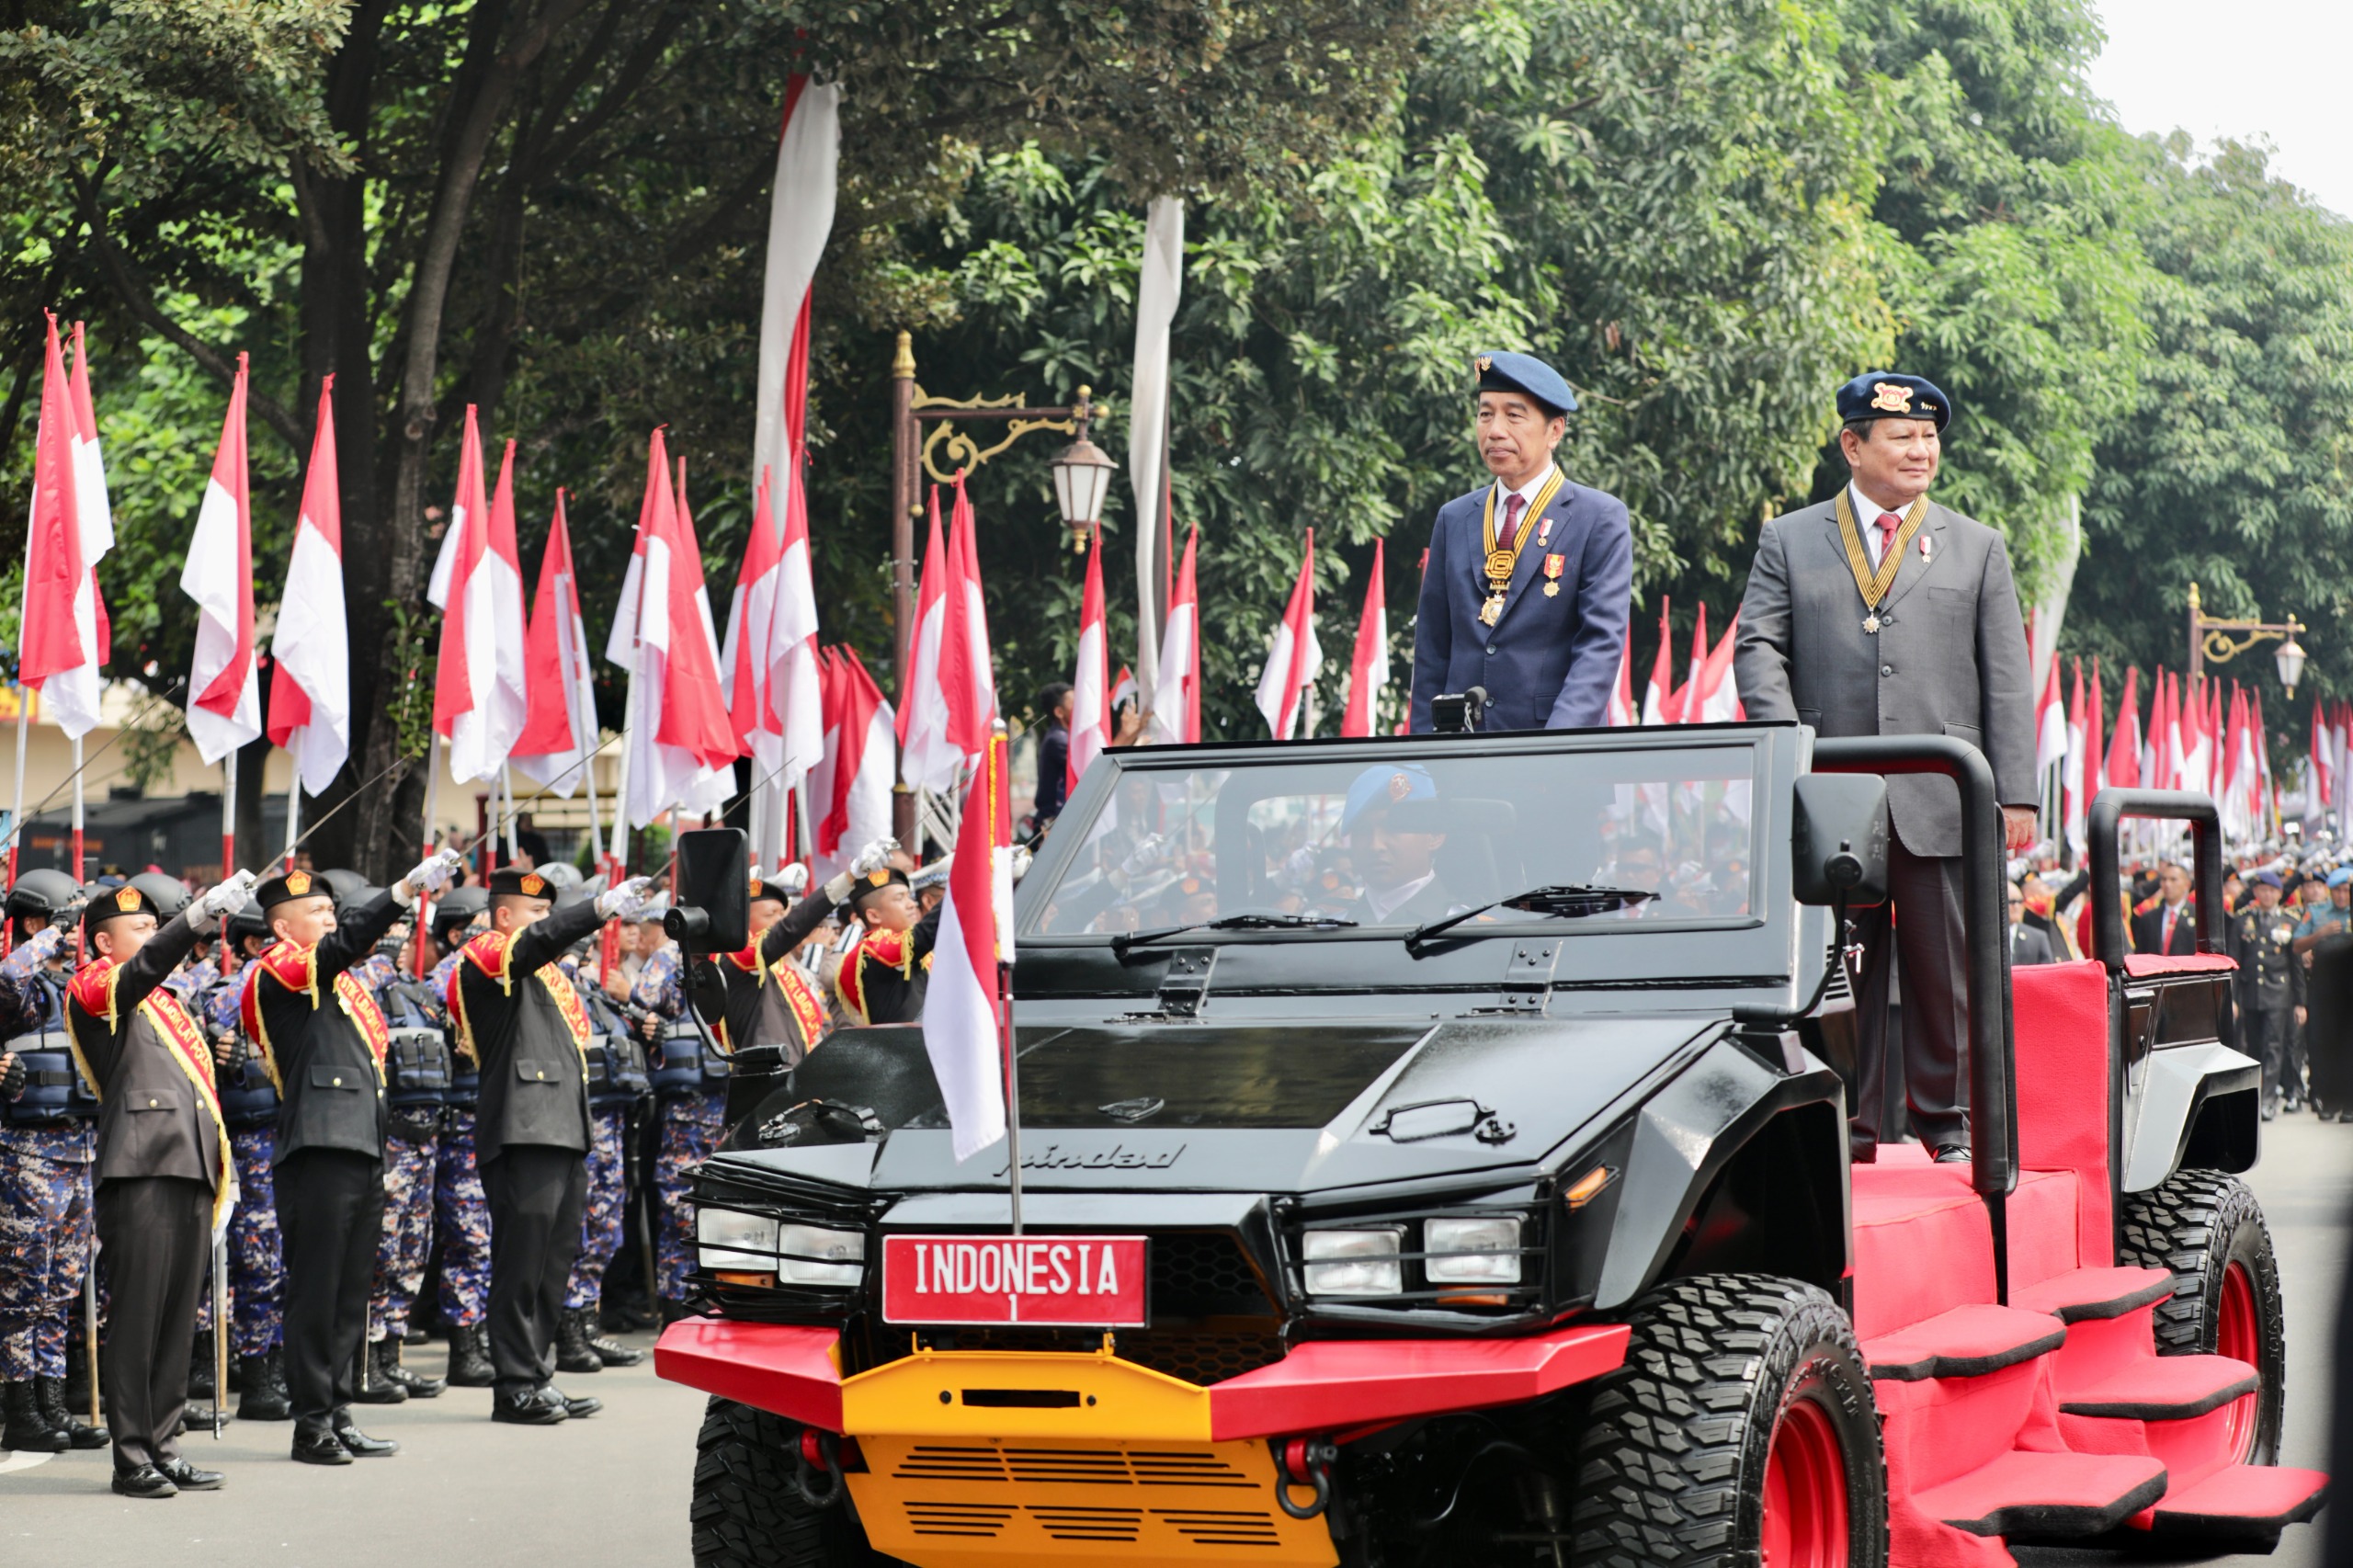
[[2165, 944], [1512, 504], [1887, 523]]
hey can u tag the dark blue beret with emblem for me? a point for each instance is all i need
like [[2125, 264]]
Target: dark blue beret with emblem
[[1884, 394], [1502, 370]]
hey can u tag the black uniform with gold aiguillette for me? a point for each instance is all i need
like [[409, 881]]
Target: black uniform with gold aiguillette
[[529, 1032], [2271, 987], [163, 1173], [884, 978], [766, 1013], [322, 1039]]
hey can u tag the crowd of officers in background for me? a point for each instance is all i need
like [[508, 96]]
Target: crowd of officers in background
[[2287, 921], [677, 1051]]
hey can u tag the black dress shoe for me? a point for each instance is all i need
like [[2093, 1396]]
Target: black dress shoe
[[1952, 1155], [536, 1407], [312, 1445], [577, 1409], [144, 1482], [187, 1478], [360, 1444]]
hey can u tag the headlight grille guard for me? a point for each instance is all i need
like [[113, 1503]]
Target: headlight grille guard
[[1423, 1306], [794, 1200]]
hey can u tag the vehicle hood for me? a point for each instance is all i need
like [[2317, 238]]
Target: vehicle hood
[[1240, 1107]]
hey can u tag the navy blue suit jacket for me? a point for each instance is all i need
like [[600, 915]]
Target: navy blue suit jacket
[[1549, 662]]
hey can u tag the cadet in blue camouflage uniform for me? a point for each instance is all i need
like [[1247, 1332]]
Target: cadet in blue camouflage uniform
[[461, 1210], [48, 1145], [418, 1084], [690, 1112], [257, 1257], [616, 1081]]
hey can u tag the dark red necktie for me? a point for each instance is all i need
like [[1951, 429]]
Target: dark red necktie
[[1887, 523], [1513, 502]]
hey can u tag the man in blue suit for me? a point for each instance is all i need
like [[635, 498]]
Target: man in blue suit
[[1531, 578]]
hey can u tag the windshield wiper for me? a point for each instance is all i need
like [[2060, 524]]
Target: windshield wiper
[[1568, 901], [1244, 920]]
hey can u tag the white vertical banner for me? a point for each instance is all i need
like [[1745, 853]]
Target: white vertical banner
[[1158, 284], [800, 217]]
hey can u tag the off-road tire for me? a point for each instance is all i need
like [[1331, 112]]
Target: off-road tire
[[1671, 1462], [746, 1512], [2198, 1223]]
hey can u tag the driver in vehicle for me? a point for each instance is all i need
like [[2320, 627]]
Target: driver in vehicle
[[1394, 831]]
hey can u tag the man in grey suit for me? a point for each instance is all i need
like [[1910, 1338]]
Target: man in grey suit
[[1881, 613]]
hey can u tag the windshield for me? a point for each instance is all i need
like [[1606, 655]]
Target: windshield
[[1392, 846]]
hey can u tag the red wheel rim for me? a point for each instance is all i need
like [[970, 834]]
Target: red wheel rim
[[1805, 1491], [2238, 1334]]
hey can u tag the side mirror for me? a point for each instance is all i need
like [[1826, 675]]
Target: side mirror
[[714, 912], [1838, 841]]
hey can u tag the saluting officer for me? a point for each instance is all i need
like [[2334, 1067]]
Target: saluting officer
[[324, 1039], [883, 978], [1530, 580], [529, 1031], [2270, 983], [766, 1013], [165, 1176]]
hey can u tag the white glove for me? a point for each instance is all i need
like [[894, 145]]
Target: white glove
[[225, 897], [874, 857], [1146, 851], [1021, 858], [625, 899], [430, 875]]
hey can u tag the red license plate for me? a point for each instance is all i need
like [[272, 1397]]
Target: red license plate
[[1079, 1281]]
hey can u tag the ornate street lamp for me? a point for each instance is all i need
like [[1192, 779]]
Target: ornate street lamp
[[1082, 478], [2291, 659], [2219, 641]]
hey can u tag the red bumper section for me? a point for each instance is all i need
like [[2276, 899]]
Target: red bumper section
[[1322, 1386]]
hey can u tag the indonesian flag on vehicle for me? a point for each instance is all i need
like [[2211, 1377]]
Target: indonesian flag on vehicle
[[1176, 692], [1658, 706], [963, 1014], [1368, 667], [309, 698], [1294, 656], [64, 635], [224, 693], [562, 728], [1090, 712], [930, 760], [849, 792], [481, 701]]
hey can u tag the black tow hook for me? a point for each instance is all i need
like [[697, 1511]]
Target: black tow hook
[[1304, 1462], [818, 1451]]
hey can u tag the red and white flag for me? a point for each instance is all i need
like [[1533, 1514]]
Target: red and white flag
[[966, 1012], [796, 698], [929, 758], [1657, 700], [2072, 780], [744, 663], [65, 632], [849, 791], [562, 728], [681, 750], [1368, 667], [801, 218], [2050, 729], [2124, 742], [967, 668], [310, 697], [1622, 714], [1123, 687], [1090, 712], [481, 698], [1176, 695], [2095, 754], [1294, 656], [1687, 711], [225, 694], [2323, 766], [1715, 690]]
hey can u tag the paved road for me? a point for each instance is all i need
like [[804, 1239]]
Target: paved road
[[613, 1489]]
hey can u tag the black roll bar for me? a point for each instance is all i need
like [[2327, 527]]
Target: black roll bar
[[1993, 1067], [2206, 864]]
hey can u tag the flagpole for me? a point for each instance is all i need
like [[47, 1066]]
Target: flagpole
[[425, 905], [293, 816], [78, 876], [228, 815], [514, 814], [1012, 1088]]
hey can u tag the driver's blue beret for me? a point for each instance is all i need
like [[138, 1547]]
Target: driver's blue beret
[[1502, 370], [1382, 786], [1884, 394]]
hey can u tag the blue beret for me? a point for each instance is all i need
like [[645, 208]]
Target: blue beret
[[1384, 785], [1502, 370], [2339, 877], [2265, 879], [1884, 394]]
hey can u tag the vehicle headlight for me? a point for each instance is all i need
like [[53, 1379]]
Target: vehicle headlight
[[731, 1240], [1472, 1252], [812, 1255], [1356, 1263]]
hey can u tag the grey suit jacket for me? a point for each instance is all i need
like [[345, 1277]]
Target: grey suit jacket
[[1950, 657]]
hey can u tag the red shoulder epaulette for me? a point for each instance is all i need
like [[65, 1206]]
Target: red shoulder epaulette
[[488, 954], [291, 964], [93, 986]]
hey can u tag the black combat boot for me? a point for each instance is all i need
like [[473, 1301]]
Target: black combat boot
[[572, 1353], [199, 1367], [469, 1365], [612, 1352], [264, 1397], [25, 1432], [419, 1386], [374, 1386], [77, 1370], [49, 1396]]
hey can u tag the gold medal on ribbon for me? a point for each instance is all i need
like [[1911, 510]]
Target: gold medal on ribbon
[[1873, 584], [1503, 562]]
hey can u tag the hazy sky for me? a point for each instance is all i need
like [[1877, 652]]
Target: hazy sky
[[2270, 69]]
